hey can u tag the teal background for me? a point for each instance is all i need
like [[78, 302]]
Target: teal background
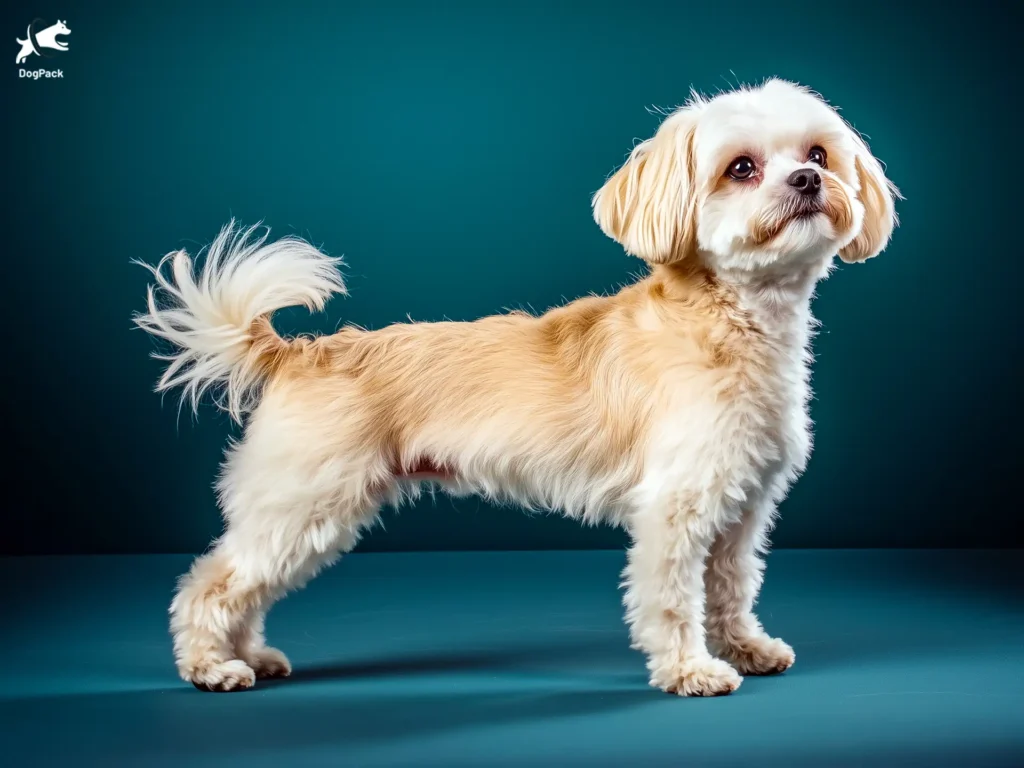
[[905, 659], [449, 151]]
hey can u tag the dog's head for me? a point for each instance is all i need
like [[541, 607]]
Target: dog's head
[[760, 180]]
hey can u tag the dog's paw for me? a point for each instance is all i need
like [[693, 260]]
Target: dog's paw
[[269, 662], [234, 675], [760, 655], [706, 676]]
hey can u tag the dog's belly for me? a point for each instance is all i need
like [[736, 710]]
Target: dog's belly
[[424, 470]]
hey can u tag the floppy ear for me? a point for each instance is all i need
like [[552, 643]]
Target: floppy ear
[[647, 205], [878, 195]]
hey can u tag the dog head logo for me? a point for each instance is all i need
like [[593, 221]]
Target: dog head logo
[[40, 40]]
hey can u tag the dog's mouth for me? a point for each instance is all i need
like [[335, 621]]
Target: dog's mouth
[[766, 231], [805, 210]]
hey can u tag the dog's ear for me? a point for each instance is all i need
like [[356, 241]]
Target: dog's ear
[[878, 195], [647, 206]]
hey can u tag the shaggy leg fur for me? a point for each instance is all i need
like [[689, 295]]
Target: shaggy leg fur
[[286, 521], [251, 648], [217, 614], [733, 580], [212, 614], [665, 599]]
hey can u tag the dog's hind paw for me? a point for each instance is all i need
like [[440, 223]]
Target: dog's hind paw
[[234, 675], [269, 662]]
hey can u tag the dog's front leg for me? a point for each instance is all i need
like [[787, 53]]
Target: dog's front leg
[[664, 581], [733, 579]]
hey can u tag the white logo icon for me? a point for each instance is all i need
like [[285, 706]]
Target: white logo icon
[[38, 40]]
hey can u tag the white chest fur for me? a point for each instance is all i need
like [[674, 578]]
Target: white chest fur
[[734, 439]]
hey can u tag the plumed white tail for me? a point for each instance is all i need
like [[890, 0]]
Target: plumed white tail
[[213, 317]]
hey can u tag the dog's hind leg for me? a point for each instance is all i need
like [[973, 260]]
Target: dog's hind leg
[[251, 647], [286, 521], [222, 592], [217, 613]]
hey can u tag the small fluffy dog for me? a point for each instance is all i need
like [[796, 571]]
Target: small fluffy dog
[[676, 408]]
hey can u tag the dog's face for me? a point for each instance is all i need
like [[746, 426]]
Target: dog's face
[[763, 181], [61, 28]]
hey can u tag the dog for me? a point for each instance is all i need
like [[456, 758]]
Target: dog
[[45, 38], [676, 408]]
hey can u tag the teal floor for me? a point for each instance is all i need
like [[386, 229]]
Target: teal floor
[[474, 659]]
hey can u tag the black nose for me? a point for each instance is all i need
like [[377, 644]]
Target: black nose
[[806, 181]]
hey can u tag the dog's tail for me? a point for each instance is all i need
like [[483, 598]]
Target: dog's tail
[[219, 318]]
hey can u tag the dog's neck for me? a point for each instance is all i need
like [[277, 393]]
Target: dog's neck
[[777, 305]]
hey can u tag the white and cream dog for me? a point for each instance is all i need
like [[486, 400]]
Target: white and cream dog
[[676, 408]]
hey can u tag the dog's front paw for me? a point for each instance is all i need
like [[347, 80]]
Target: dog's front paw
[[760, 655], [705, 676], [269, 662]]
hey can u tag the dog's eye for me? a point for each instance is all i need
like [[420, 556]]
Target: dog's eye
[[742, 168], [818, 156]]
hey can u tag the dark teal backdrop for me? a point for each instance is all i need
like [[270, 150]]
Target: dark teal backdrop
[[449, 151]]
